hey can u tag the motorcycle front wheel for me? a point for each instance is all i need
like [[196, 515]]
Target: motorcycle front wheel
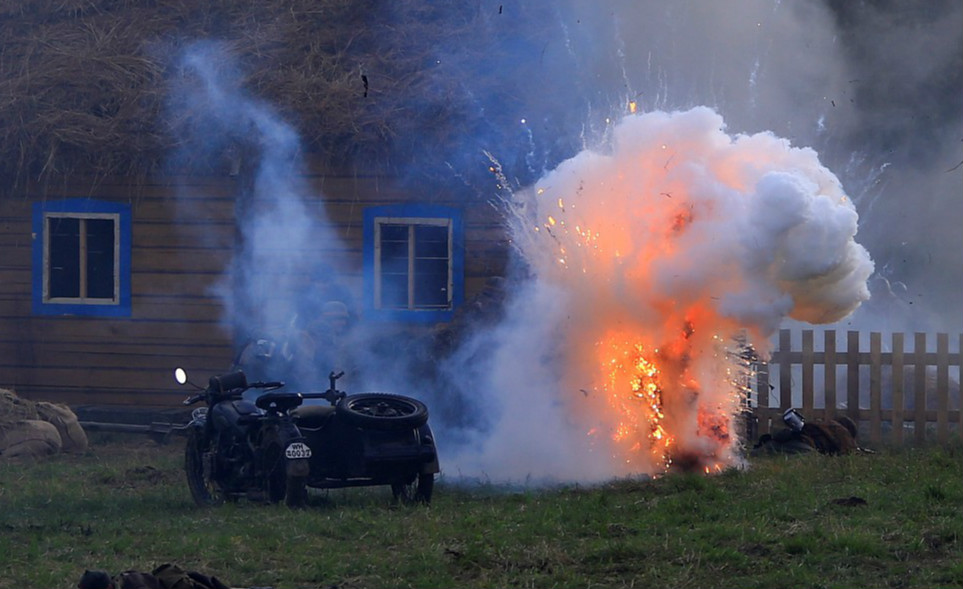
[[296, 492], [417, 491], [292, 489], [204, 489]]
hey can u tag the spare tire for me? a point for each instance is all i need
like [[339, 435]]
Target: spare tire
[[382, 411]]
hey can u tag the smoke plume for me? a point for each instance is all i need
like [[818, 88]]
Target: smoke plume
[[707, 228], [648, 255], [284, 236]]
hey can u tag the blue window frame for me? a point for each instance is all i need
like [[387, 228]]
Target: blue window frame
[[81, 258], [413, 262]]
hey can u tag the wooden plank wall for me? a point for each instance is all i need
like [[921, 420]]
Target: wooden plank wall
[[183, 238], [346, 196], [890, 407]]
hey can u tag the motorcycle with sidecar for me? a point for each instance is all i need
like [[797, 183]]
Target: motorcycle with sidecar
[[273, 448]]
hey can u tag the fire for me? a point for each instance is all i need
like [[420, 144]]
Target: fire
[[633, 392], [654, 398], [647, 258]]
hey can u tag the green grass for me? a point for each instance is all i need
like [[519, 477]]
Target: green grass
[[125, 505]]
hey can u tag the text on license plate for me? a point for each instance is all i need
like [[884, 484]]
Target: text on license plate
[[298, 450]]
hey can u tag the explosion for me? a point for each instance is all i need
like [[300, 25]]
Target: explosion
[[660, 251]]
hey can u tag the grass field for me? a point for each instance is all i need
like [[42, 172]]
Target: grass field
[[125, 505]]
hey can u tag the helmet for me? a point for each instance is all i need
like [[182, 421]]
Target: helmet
[[334, 310], [793, 419]]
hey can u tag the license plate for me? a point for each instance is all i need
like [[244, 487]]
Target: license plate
[[297, 450]]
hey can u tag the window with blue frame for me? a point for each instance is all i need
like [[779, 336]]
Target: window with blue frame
[[413, 262], [81, 258]]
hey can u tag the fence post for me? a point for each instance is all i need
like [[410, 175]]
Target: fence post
[[942, 385], [762, 396], [875, 383], [807, 372], [933, 373], [829, 378], [785, 370], [852, 376], [898, 402], [919, 386]]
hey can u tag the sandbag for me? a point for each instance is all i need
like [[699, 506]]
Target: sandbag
[[13, 408], [72, 436], [172, 576], [32, 440], [166, 576], [29, 438]]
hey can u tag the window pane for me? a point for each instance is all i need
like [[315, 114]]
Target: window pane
[[394, 291], [431, 283], [431, 241], [100, 258], [63, 257], [394, 266], [394, 232], [394, 244], [428, 280]]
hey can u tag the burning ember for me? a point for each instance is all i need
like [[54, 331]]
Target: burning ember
[[633, 391], [656, 253]]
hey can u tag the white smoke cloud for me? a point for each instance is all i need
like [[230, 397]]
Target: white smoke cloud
[[668, 240], [873, 87]]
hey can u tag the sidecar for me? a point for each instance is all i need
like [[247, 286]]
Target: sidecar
[[370, 439]]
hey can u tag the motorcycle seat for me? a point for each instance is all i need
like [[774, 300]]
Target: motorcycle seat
[[312, 415]]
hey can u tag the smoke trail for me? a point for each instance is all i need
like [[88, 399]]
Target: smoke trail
[[283, 229]]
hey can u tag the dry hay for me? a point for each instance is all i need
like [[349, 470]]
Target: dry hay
[[30, 429], [85, 84]]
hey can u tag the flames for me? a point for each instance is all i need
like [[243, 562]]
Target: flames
[[650, 258], [633, 392], [654, 405], [656, 414]]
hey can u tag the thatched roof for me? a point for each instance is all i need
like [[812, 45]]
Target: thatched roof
[[85, 85]]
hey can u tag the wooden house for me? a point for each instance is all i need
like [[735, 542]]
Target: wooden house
[[108, 259], [104, 290]]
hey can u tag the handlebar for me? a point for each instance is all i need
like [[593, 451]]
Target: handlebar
[[331, 395], [230, 385], [193, 399]]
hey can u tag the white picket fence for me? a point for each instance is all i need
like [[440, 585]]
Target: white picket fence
[[895, 394]]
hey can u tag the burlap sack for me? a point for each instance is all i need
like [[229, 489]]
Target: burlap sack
[[71, 434], [13, 408], [29, 438]]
